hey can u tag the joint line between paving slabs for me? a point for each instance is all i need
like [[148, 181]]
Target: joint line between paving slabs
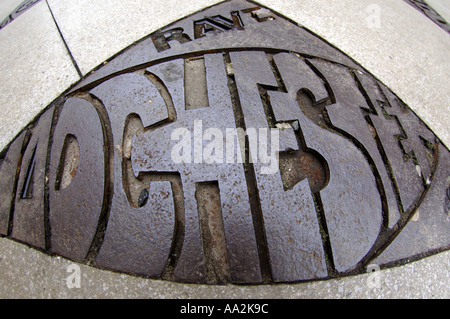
[[65, 43]]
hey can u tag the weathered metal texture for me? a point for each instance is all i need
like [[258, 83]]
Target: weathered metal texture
[[416, 141], [428, 227], [74, 208], [232, 146], [243, 259], [277, 33], [290, 220], [8, 175], [138, 241], [354, 226], [350, 113], [29, 209]]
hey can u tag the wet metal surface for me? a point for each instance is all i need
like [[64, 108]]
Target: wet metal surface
[[74, 209], [29, 221], [230, 147]]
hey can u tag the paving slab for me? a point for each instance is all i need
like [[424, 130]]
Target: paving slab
[[96, 30], [26, 273], [36, 68]]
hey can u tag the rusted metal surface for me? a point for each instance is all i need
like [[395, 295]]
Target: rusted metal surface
[[74, 209], [428, 225], [140, 240], [29, 220], [230, 147], [243, 258], [10, 164]]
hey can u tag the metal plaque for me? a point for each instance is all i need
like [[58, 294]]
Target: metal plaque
[[232, 146]]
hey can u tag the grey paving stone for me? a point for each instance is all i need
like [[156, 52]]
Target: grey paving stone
[[36, 68], [110, 27]]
